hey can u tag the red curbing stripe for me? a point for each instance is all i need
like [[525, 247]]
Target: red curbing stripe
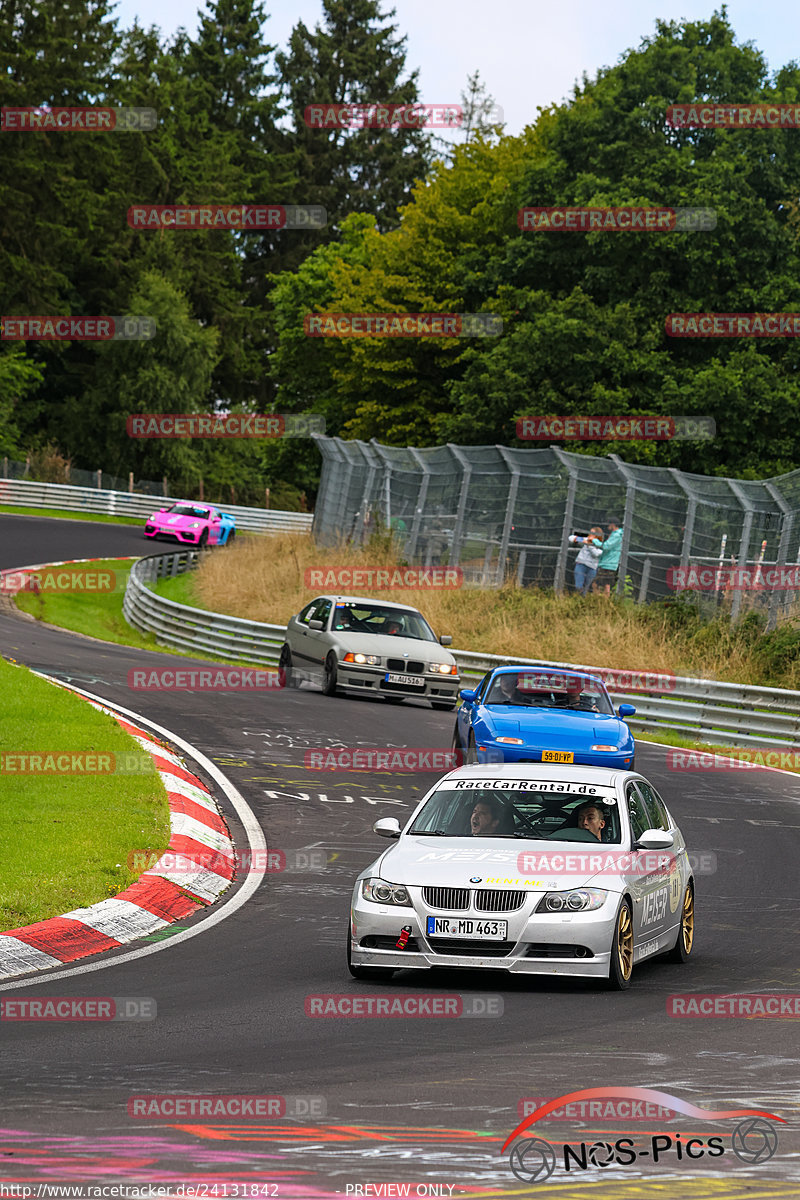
[[161, 897], [171, 768], [190, 808], [64, 938]]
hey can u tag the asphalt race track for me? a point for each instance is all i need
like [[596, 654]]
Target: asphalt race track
[[427, 1100]]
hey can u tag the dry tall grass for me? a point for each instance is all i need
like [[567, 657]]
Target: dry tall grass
[[263, 579]]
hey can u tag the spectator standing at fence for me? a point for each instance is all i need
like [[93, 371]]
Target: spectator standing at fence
[[608, 566], [588, 558]]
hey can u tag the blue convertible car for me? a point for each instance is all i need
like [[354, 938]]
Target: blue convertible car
[[538, 714]]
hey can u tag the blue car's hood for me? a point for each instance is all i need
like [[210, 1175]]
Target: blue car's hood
[[556, 726]]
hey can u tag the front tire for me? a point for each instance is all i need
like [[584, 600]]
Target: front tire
[[472, 750], [230, 537], [285, 668], [202, 541], [329, 680], [682, 949], [369, 974], [621, 966]]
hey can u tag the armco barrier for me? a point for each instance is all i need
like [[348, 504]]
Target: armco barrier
[[705, 709], [128, 504]]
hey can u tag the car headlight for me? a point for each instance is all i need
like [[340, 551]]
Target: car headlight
[[511, 741], [381, 892], [443, 668], [373, 660], [581, 900], [605, 748], [195, 524]]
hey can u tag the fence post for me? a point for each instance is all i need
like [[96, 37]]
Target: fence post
[[745, 542], [466, 478], [778, 597], [505, 537], [419, 508], [266, 497], [644, 582], [130, 481], [201, 488], [164, 485], [99, 477], [559, 580], [521, 567], [5, 467]]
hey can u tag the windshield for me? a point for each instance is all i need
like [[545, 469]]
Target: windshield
[[523, 809], [373, 618], [550, 689], [188, 510]]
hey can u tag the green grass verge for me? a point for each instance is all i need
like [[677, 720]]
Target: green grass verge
[[65, 841], [179, 589], [99, 614], [68, 515]]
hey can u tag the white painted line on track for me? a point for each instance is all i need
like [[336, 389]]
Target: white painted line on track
[[255, 838]]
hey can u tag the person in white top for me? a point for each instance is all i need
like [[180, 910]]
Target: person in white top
[[588, 558]]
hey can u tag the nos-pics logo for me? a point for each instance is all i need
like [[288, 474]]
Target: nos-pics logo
[[533, 1159]]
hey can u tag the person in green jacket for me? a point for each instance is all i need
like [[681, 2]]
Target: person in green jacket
[[609, 560]]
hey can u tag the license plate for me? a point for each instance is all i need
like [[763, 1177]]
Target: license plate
[[557, 756], [468, 927], [406, 680]]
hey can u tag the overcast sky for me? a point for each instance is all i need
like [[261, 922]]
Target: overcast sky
[[529, 53]]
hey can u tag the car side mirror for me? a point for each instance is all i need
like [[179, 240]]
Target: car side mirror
[[467, 694], [654, 839], [388, 827], [626, 710], [445, 640], [314, 623]]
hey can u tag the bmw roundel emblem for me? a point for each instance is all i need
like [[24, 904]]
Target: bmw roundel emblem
[[476, 879]]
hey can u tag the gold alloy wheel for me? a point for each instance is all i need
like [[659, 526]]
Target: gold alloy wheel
[[625, 942], [687, 920]]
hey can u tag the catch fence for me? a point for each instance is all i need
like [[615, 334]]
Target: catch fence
[[506, 513]]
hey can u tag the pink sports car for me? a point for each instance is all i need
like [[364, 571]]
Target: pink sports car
[[192, 524]]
